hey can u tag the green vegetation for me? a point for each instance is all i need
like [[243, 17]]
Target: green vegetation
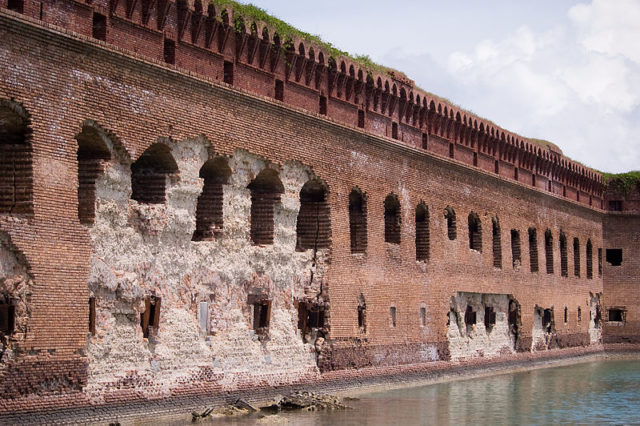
[[622, 182], [286, 32], [544, 143]]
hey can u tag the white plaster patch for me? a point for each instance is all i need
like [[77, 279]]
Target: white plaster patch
[[476, 341]]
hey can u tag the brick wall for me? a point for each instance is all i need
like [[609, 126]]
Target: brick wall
[[63, 79]]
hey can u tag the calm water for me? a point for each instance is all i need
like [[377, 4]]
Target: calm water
[[596, 392]]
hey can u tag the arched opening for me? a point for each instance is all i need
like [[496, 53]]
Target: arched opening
[[548, 250], [475, 232], [497, 243], [149, 174], [358, 221], [564, 268], [392, 219], [422, 232], [450, 215], [313, 229], [533, 249], [589, 260], [92, 153], [515, 249], [209, 217], [16, 174], [576, 257], [265, 189]]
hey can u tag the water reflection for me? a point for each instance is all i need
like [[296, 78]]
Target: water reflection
[[596, 392]]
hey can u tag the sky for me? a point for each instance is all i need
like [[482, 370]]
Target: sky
[[560, 70]]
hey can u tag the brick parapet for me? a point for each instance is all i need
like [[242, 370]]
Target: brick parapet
[[205, 41]]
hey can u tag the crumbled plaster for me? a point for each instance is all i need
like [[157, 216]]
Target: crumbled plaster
[[595, 328], [476, 341], [541, 338], [142, 250], [15, 286]]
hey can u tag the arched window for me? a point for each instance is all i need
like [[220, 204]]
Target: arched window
[[564, 268], [92, 153], [533, 249], [576, 257], [265, 189], [16, 175], [149, 174], [422, 232], [515, 249], [475, 232], [450, 215], [392, 219], [313, 227], [497, 244], [548, 250], [589, 259], [209, 222], [358, 221]]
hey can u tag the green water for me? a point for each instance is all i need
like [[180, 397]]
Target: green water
[[588, 393]]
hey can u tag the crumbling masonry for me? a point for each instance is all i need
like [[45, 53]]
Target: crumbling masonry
[[194, 204]]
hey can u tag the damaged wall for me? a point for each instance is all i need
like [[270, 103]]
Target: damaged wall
[[146, 249], [135, 251], [479, 326]]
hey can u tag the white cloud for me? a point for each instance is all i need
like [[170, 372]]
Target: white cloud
[[577, 84], [609, 27]]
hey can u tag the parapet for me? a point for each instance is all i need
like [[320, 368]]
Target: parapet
[[242, 46]]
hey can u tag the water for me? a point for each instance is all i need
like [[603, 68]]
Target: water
[[594, 392]]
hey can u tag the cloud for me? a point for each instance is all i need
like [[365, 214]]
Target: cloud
[[609, 27], [577, 84]]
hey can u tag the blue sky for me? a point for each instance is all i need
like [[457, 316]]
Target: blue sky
[[565, 71]]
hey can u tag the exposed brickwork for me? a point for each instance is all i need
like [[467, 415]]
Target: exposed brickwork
[[621, 230], [411, 189]]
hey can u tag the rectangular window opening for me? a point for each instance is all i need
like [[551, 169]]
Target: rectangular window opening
[[99, 30], [169, 51], [617, 315], [615, 205], [394, 130], [546, 320], [7, 317], [423, 316], [362, 318], [451, 151], [16, 5], [92, 316], [614, 257], [323, 105], [425, 141], [261, 316], [392, 314], [279, 90], [489, 318], [361, 119], [150, 318], [228, 73]]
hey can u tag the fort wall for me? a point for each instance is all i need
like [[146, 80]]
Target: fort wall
[[330, 247]]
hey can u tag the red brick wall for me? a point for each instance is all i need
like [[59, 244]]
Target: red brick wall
[[77, 79]]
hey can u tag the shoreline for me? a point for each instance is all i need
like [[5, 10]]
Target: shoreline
[[343, 383]]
